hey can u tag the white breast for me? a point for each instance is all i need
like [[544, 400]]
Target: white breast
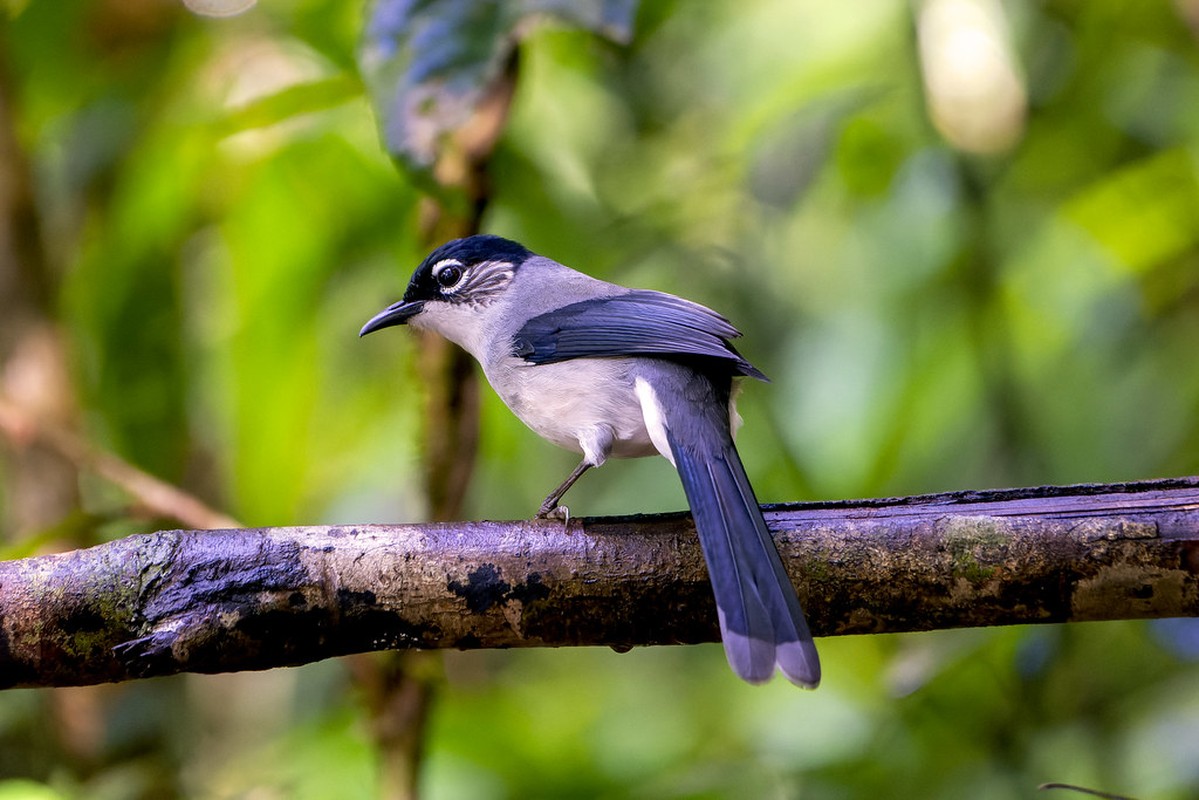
[[588, 405]]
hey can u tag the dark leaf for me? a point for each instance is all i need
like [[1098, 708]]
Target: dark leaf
[[430, 63]]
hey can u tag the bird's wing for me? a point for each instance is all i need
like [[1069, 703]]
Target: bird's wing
[[639, 322]]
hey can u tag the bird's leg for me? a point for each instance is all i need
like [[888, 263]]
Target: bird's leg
[[550, 507]]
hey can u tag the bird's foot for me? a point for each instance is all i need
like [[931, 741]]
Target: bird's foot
[[553, 511]]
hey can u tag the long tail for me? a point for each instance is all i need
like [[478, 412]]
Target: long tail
[[761, 621]]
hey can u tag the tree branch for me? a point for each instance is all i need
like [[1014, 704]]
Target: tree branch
[[216, 601]]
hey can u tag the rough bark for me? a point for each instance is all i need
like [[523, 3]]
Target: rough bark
[[224, 600]]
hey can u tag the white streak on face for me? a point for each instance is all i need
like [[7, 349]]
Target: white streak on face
[[469, 313], [655, 420], [488, 279], [443, 263]]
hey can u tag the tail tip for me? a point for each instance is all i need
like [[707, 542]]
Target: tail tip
[[799, 662], [755, 661]]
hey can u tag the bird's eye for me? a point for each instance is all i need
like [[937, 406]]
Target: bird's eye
[[449, 276]]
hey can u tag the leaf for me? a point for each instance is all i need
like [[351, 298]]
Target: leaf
[[1146, 213], [21, 789], [430, 63], [304, 98]]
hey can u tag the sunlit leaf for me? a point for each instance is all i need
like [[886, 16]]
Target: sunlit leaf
[[1146, 213], [429, 64], [27, 790], [304, 98]]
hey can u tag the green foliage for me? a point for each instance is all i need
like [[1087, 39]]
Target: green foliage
[[222, 216], [430, 64], [26, 790]]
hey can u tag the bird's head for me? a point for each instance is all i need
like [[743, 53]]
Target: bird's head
[[461, 275]]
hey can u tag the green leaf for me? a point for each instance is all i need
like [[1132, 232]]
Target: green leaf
[[27, 790], [304, 98], [430, 64], [1145, 214]]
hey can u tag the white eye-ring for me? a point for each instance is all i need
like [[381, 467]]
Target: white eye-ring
[[448, 273]]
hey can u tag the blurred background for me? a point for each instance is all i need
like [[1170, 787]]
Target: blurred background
[[962, 237]]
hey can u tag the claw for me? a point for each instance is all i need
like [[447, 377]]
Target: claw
[[554, 512]]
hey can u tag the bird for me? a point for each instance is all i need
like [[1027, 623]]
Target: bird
[[608, 371]]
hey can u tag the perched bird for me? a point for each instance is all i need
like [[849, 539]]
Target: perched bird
[[604, 370]]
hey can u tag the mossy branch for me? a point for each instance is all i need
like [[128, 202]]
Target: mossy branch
[[240, 599]]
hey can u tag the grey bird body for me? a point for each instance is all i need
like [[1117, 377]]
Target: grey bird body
[[608, 371]]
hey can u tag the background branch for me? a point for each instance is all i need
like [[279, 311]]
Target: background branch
[[214, 601], [22, 428]]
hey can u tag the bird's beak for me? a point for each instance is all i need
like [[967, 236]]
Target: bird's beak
[[394, 314]]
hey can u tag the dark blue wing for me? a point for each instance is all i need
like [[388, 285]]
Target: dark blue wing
[[639, 322]]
